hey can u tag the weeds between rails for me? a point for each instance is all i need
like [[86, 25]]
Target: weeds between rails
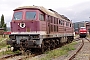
[[20, 54], [80, 47], [8, 56]]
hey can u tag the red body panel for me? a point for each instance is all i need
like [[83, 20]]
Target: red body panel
[[39, 25], [29, 26], [7, 33], [83, 31]]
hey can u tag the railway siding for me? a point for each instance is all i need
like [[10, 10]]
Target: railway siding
[[53, 56], [64, 57], [84, 53], [62, 52], [70, 53], [74, 52]]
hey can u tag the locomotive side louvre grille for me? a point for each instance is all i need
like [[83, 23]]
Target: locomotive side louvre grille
[[68, 30]]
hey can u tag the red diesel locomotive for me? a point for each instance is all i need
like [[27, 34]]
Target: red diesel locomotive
[[82, 32], [38, 28]]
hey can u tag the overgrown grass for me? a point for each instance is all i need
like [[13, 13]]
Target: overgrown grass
[[2, 36], [60, 51], [3, 44], [7, 52], [3, 41]]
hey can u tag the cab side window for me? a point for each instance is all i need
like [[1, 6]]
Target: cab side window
[[41, 17], [30, 15]]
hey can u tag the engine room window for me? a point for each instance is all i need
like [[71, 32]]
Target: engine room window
[[61, 22], [17, 15], [51, 28], [51, 19], [70, 25], [57, 20], [54, 20], [41, 17], [30, 15], [67, 24]]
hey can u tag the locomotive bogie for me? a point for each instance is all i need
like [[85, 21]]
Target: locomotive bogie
[[83, 35]]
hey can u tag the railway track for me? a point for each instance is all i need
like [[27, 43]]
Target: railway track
[[9, 56], [73, 55], [18, 56], [87, 39]]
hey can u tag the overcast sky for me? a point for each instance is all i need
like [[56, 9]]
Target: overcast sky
[[75, 10]]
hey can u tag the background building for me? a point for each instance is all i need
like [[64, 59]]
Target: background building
[[77, 26], [88, 27]]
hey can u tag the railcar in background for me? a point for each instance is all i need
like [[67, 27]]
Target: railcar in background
[[38, 28], [83, 32]]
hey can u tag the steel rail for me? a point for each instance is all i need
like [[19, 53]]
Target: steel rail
[[87, 39], [8, 56], [72, 56]]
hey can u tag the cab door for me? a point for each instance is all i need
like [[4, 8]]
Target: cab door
[[48, 25]]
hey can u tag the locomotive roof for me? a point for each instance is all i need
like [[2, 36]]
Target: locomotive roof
[[47, 11]]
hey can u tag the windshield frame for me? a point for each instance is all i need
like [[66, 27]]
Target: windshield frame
[[17, 12], [31, 19]]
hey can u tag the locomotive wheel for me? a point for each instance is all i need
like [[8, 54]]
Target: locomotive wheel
[[15, 49], [48, 48], [57, 42], [68, 41], [28, 52], [53, 44], [22, 50], [47, 45], [42, 47]]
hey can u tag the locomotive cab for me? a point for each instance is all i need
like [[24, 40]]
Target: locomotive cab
[[26, 28], [82, 32], [24, 21]]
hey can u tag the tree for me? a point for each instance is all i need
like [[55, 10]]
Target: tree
[[3, 25], [2, 21]]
